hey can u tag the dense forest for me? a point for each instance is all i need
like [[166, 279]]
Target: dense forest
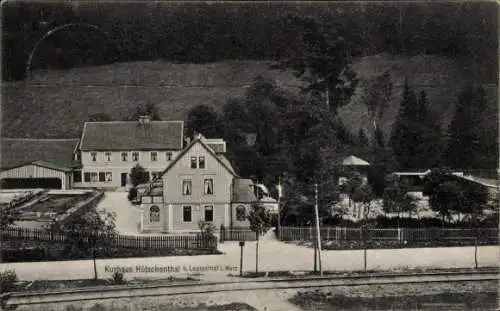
[[199, 33]]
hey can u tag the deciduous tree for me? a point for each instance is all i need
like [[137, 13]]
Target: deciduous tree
[[378, 92], [259, 219], [138, 175], [93, 230], [202, 119], [322, 60]]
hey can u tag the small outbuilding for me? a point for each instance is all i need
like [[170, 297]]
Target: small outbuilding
[[37, 163]]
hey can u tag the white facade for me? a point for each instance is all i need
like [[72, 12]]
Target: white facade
[[180, 209], [112, 168]]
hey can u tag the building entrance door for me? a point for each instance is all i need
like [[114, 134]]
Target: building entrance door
[[124, 179]]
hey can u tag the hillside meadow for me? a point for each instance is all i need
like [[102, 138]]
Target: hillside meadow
[[54, 104]]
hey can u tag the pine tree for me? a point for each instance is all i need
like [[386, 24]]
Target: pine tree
[[416, 136], [403, 138], [472, 139]]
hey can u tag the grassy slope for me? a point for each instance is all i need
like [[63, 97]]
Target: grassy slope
[[55, 103]]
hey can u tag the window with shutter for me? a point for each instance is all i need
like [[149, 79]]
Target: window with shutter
[[186, 187], [209, 186]]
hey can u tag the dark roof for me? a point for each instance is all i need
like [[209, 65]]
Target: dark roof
[[130, 135], [220, 158], [243, 191], [51, 153], [217, 147]]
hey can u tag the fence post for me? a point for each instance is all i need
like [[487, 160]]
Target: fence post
[[222, 232]]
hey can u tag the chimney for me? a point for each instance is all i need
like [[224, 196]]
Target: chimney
[[145, 122], [144, 119]]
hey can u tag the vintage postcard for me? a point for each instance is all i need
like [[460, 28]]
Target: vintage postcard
[[168, 155]]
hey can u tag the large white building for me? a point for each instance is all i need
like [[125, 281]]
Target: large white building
[[101, 158], [108, 151]]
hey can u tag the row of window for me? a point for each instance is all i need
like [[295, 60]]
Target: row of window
[[93, 176], [208, 186], [101, 176], [154, 214], [108, 156]]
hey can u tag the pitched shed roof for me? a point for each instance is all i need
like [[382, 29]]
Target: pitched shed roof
[[52, 153], [131, 135], [354, 161], [243, 191]]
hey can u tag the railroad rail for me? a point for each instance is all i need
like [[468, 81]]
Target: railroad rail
[[113, 292]]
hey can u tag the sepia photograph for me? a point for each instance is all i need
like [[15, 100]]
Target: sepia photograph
[[249, 155]]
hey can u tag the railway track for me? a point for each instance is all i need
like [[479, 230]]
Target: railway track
[[113, 292]]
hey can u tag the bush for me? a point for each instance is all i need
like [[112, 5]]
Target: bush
[[208, 233], [8, 279], [118, 278], [132, 194]]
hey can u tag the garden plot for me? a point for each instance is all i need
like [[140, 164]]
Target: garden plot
[[52, 205], [17, 197]]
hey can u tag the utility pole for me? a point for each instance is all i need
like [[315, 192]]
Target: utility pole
[[318, 238], [278, 227]]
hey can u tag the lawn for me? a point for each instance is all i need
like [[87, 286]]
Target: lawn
[[71, 96], [425, 297]]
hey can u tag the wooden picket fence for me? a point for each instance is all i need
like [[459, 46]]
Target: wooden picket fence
[[392, 234], [236, 234], [194, 241]]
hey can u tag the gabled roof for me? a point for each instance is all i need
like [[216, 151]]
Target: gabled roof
[[490, 183], [131, 135], [51, 153], [243, 191], [354, 161], [220, 158]]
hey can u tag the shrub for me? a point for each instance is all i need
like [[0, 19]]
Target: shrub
[[208, 233], [132, 194], [8, 279], [118, 278]]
